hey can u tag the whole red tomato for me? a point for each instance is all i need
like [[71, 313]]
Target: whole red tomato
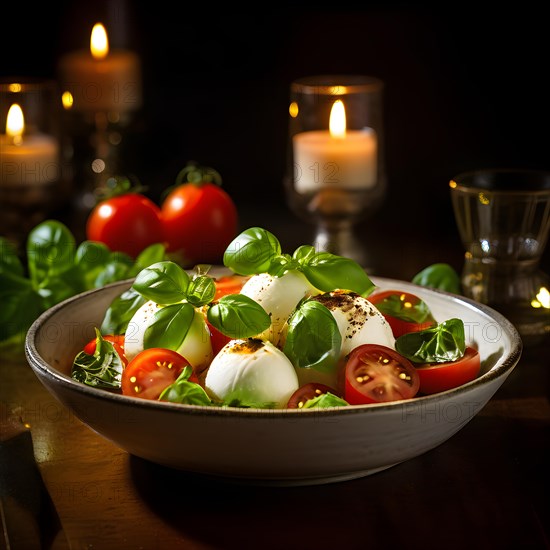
[[126, 223], [200, 218]]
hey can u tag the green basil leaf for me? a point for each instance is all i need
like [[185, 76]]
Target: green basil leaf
[[9, 260], [238, 316], [304, 253], [313, 339], [327, 272], [281, 264], [418, 312], [325, 401], [114, 270], [444, 342], [50, 251], [252, 252], [154, 253], [441, 276], [163, 282], [91, 258], [201, 290], [183, 391], [20, 304], [62, 286], [103, 369], [169, 326], [121, 311]]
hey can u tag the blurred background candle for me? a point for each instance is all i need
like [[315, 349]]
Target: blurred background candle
[[32, 180], [100, 80], [335, 174], [32, 159], [336, 157]]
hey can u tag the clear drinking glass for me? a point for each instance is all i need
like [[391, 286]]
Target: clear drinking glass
[[503, 218], [335, 171]]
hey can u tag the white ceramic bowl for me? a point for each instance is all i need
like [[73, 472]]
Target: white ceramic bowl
[[272, 446]]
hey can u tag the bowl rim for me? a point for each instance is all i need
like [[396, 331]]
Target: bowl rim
[[44, 370]]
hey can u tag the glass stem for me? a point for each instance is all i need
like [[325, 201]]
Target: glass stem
[[339, 238]]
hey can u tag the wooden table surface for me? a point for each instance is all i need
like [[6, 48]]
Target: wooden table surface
[[487, 487]]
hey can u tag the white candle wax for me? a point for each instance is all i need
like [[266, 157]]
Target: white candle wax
[[322, 160], [35, 161]]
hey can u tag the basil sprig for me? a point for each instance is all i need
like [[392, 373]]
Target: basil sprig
[[313, 339], [181, 296], [55, 269], [103, 369], [256, 251], [444, 342]]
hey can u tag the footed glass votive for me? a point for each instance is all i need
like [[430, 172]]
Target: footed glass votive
[[503, 218]]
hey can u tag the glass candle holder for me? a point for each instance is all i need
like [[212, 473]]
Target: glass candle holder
[[503, 218], [335, 171], [31, 176]]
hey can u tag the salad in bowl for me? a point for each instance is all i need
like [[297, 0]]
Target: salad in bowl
[[273, 331], [272, 369]]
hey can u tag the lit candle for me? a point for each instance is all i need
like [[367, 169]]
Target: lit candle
[[100, 80], [336, 157], [26, 159]]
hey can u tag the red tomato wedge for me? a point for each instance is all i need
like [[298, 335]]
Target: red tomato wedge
[[229, 284], [118, 343], [377, 374], [400, 308], [438, 377], [117, 339], [151, 371]]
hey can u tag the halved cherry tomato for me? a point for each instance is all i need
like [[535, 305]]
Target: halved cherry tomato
[[118, 343], [403, 311], [437, 377], [377, 374], [115, 339], [151, 371], [229, 284], [306, 392]]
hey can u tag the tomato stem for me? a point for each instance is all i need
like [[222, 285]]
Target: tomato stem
[[119, 185], [198, 175]]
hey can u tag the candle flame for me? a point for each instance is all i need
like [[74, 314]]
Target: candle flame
[[99, 43], [542, 299], [15, 123], [337, 122], [67, 100]]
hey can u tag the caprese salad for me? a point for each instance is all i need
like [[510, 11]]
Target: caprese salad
[[281, 331]]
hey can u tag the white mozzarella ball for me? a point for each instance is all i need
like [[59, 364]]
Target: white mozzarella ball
[[251, 372], [196, 347], [359, 322], [279, 296]]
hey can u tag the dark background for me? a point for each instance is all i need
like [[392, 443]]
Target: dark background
[[464, 89]]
